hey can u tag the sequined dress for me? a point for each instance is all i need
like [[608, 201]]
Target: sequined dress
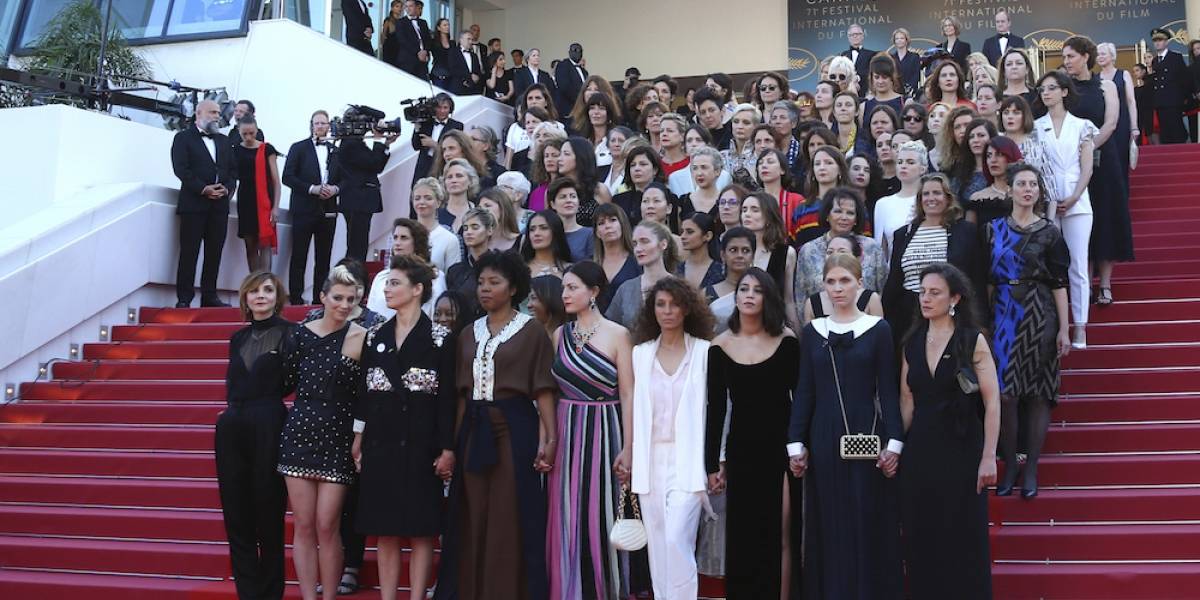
[[317, 435]]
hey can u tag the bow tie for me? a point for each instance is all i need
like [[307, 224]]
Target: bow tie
[[205, 134], [853, 49], [841, 340], [1003, 35]]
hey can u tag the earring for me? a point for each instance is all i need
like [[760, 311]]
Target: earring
[[592, 303], [951, 310]]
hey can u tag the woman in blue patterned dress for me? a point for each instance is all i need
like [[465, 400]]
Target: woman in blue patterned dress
[[1029, 262], [593, 367]]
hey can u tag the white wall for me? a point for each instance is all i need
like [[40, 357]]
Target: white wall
[[92, 230], [679, 37]]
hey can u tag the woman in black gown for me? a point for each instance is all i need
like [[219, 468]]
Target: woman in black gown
[[314, 450], [1099, 102], [852, 529], [247, 439], [439, 73], [258, 195], [752, 365], [950, 453], [404, 428]]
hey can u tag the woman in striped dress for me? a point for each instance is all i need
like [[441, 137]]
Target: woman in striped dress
[[593, 367]]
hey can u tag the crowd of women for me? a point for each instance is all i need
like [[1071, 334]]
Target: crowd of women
[[795, 335]]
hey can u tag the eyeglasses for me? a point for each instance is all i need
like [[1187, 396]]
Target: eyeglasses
[[768, 88], [837, 76], [912, 119], [727, 202]]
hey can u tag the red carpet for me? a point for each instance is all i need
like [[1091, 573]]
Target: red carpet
[[107, 485]]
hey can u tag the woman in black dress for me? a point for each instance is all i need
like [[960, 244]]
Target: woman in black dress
[[949, 455], [258, 195], [439, 74], [404, 428], [1099, 102], [247, 439], [847, 368], [389, 49], [314, 452], [752, 366]]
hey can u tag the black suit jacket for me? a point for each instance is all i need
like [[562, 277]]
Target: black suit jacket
[[460, 72], [409, 43], [862, 65], [964, 249], [1171, 80], [195, 168], [991, 47], [523, 79], [357, 22], [424, 160], [959, 52], [569, 85], [303, 170], [359, 176]]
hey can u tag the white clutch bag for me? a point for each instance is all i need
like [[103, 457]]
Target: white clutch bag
[[628, 534]]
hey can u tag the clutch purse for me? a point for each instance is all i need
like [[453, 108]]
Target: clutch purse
[[967, 381], [854, 446], [628, 534]]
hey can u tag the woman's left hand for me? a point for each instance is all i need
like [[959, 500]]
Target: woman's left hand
[[987, 474], [1063, 341], [544, 462], [443, 466]]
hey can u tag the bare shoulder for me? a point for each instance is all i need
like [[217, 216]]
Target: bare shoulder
[[787, 332], [723, 339]]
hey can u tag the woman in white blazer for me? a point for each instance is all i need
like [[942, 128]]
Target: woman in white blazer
[[670, 367], [1069, 147]]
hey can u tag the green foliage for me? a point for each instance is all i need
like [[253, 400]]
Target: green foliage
[[70, 49]]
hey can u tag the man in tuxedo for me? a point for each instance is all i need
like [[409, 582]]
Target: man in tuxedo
[[860, 56], [426, 136], [358, 25], [569, 76], [995, 46], [466, 68], [1172, 86], [312, 174], [413, 40], [361, 197], [532, 73], [518, 59], [203, 161], [477, 47]]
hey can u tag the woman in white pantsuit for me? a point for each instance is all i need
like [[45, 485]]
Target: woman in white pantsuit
[[1069, 144], [670, 366]]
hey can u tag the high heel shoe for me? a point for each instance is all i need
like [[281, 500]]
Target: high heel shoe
[[1028, 494], [1079, 339], [1005, 486], [1004, 489]]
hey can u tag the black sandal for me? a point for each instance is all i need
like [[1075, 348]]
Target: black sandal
[[349, 583], [1104, 298]]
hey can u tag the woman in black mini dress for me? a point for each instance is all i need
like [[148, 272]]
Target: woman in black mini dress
[[404, 427]]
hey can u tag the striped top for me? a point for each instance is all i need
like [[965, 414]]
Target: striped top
[[928, 246], [584, 376]]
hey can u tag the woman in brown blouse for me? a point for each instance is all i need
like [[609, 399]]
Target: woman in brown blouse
[[496, 543]]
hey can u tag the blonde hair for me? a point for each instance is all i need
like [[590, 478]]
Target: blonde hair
[[670, 256], [472, 175], [845, 261], [1107, 47], [435, 186], [340, 275], [901, 31]]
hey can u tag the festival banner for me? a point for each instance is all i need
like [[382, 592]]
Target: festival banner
[[817, 28]]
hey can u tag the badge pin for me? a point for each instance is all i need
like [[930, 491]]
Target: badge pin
[[380, 348]]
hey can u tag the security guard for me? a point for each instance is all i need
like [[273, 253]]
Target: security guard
[[1171, 83]]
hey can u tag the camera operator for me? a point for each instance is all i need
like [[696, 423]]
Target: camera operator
[[426, 135], [360, 167], [312, 173], [202, 159]]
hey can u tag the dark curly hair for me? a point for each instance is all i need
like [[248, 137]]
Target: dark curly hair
[[698, 320], [834, 197], [420, 235], [774, 314], [417, 271], [510, 266]]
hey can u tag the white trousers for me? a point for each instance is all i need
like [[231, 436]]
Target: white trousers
[[672, 518], [1077, 232]]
